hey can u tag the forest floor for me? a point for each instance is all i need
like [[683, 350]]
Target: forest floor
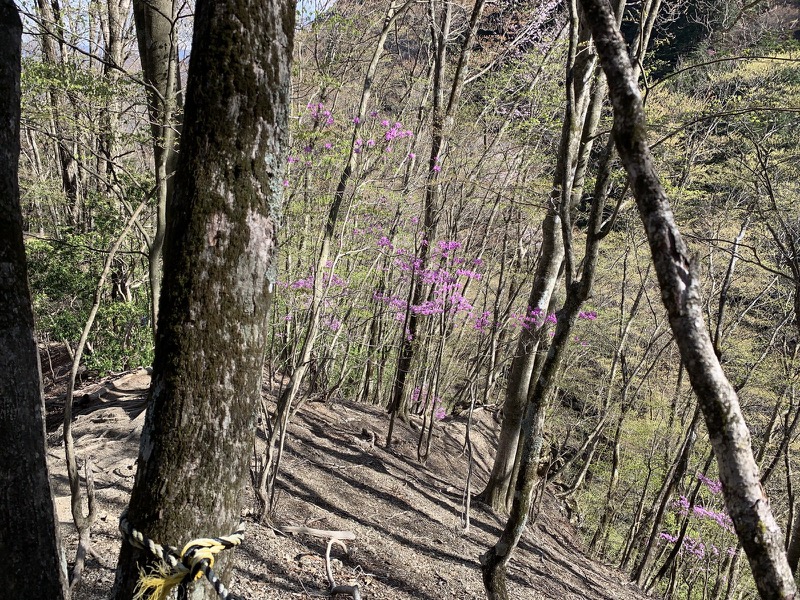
[[406, 516]]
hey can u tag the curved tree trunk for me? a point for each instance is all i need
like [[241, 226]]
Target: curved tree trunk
[[501, 478], [219, 277], [745, 499], [30, 547]]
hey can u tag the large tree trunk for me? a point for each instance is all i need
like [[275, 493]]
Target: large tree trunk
[[30, 548], [218, 278], [745, 499]]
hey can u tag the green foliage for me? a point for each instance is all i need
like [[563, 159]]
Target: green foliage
[[63, 276]]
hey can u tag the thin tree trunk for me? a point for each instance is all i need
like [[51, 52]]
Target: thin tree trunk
[[522, 366], [443, 123], [673, 477], [50, 27], [613, 481], [157, 39], [745, 499], [494, 562], [670, 561]]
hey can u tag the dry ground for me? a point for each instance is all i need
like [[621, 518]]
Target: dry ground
[[406, 517]]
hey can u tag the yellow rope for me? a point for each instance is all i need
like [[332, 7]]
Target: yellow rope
[[178, 569]]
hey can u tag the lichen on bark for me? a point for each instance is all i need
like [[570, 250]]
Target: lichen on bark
[[218, 280]]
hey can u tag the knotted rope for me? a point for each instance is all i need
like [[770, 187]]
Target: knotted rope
[[178, 568]]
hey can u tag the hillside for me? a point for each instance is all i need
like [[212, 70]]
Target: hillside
[[405, 516]]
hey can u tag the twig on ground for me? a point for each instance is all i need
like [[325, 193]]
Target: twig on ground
[[333, 537], [350, 590]]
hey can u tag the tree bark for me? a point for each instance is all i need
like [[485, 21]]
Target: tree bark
[[219, 275], [49, 26], [745, 499], [30, 546], [156, 36], [497, 491]]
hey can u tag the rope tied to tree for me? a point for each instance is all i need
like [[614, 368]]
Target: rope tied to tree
[[178, 568]]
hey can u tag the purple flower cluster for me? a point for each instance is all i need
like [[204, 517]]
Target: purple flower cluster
[[396, 131], [698, 511], [469, 274], [447, 282], [319, 113], [693, 547], [483, 323], [446, 246], [719, 517], [361, 145], [439, 412], [332, 323], [533, 318], [307, 283], [713, 485]]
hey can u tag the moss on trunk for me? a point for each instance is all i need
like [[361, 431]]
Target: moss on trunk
[[218, 279]]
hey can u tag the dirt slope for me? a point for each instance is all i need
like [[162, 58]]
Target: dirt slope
[[406, 517]]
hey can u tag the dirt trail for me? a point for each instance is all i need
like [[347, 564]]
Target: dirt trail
[[406, 517]]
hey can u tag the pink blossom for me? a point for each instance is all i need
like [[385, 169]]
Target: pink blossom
[[469, 274], [714, 486], [483, 323], [332, 323], [446, 245]]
